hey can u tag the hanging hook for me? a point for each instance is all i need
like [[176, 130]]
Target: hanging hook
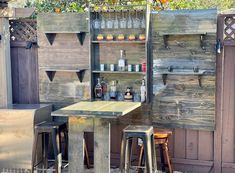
[[218, 46]]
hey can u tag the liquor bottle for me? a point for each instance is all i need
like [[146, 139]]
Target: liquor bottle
[[128, 95], [104, 86], [98, 89], [121, 61], [142, 91], [113, 90]]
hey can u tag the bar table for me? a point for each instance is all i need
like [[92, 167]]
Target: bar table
[[94, 117]]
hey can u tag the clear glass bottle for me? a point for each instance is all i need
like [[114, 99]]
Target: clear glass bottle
[[98, 89], [113, 90], [143, 91], [122, 61]]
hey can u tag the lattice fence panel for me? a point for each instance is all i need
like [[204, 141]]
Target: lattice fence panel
[[229, 28], [23, 30]]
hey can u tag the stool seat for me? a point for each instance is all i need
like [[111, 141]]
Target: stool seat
[[48, 126], [162, 133], [161, 137], [138, 129]]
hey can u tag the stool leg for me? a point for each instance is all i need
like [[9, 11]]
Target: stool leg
[[35, 141], [86, 155], [56, 148], [128, 155], [45, 149], [162, 157], [148, 153], [140, 157], [123, 151], [165, 148], [154, 154]]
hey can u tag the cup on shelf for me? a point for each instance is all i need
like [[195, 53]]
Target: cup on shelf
[[137, 68], [129, 67], [112, 67], [102, 68]]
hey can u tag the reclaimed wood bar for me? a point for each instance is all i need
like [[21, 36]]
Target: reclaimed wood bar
[[92, 117]]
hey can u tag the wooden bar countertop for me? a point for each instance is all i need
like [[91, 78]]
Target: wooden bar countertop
[[97, 109]]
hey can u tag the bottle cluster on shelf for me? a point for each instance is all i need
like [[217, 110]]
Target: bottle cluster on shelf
[[131, 19], [104, 92], [122, 65]]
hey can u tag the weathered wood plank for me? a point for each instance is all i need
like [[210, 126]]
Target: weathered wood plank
[[228, 106], [77, 127], [205, 145], [5, 64], [16, 12], [192, 144], [63, 22], [101, 145], [188, 22], [180, 143]]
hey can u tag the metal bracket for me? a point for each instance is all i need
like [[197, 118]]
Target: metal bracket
[[202, 41], [165, 39]]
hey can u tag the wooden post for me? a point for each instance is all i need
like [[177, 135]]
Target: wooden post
[[5, 64]]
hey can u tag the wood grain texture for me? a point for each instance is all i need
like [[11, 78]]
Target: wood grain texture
[[5, 64], [63, 22], [24, 74], [182, 102], [188, 21], [101, 145], [228, 105]]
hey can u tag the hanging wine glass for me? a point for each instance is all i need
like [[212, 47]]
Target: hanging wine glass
[[122, 21], [116, 23], [143, 21], [129, 21], [109, 22], [103, 22], [96, 22], [136, 21]]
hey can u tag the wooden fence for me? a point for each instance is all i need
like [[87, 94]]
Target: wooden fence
[[193, 151]]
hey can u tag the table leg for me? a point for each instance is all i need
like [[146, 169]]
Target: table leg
[[101, 146], [77, 127]]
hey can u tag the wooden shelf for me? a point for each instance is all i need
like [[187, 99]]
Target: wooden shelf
[[119, 72], [120, 42], [164, 74], [51, 71]]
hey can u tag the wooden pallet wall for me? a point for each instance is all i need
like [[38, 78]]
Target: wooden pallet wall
[[184, 101]]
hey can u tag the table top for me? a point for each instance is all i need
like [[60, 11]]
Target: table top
[[98, 109]]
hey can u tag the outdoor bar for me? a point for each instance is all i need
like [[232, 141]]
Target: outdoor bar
[[125, 88]]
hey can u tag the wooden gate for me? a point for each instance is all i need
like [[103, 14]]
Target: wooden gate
[[225, 121], [24, 61]]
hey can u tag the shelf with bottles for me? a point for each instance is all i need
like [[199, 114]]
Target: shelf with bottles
[[113, 90]]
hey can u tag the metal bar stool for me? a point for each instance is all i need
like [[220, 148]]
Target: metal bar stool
[[54, 129], [160, 138], [146, 134]]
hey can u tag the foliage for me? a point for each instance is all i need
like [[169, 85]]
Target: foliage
[[201, 4]]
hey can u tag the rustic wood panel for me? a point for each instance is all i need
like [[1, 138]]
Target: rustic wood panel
[[180, 143], [63, 22], [188, 21], [24, 73], [182, 102]]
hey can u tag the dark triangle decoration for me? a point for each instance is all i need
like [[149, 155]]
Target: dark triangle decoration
[[81, 37], [51, 37], [50, 75], [80, 75]]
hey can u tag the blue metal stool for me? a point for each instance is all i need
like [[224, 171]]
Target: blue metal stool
[[147, 135]]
